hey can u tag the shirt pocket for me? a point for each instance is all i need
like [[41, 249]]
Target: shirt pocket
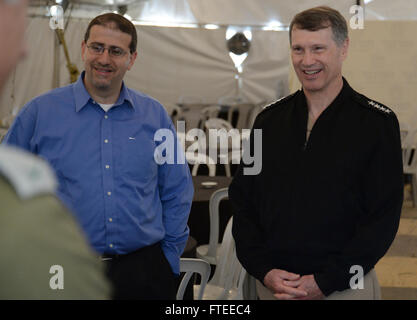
[[137, 153]]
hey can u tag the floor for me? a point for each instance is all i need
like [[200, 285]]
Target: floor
[[397, 270]]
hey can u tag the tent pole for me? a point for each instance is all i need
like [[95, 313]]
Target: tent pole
[[56, 71]]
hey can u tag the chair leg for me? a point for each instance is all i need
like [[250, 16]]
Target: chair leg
[[414, 189], [227, 169]]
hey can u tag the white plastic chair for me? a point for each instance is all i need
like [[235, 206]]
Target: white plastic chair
[[218, 124], [196, 159], [207, 113], [409, 149], [176, 114], [191, 111], [209, 252], [191, 266], [229, 276], [243, 111]]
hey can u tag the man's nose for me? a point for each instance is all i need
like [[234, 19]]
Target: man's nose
[[308, 59], [104, 58]]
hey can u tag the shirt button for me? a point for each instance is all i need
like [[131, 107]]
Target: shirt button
[[106, 141], [106, 116], [111, 245], [107, 166], [109, 193], [110, 220]]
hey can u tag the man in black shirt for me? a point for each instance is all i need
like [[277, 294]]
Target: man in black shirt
[[329, 196]]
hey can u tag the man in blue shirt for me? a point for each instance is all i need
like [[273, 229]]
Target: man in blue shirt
[[98, 135]]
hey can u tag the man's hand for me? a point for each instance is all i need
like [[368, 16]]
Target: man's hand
[[275, 281], [308, 284]]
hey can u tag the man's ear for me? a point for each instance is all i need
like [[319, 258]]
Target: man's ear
[[83, 48], [345, 48], [131, 60]]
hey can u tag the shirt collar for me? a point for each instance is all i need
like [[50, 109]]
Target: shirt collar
[[82, 97], [343, 94]]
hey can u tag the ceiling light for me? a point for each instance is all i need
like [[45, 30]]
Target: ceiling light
[[274, 25], [211, 26]]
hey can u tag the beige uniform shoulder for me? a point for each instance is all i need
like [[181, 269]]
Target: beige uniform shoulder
[[28, 174], [37, 233]]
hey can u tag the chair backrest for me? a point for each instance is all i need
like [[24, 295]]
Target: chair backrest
[[409, 145], [239, 114], [214, 205], [191, 266], [227, 142], [176, 114], [218, 123], [211, 111], [229, 273], [195, 159], [211, 168], [208, 112]]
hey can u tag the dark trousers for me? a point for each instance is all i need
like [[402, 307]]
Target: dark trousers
[[144, 274]]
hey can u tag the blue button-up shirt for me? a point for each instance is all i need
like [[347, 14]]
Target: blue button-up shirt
[[104, 161]]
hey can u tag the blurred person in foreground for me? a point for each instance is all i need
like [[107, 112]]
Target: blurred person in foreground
[[327, 204], [44, 253]]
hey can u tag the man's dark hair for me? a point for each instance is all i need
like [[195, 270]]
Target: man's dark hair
[[320, 18], [115, 21]]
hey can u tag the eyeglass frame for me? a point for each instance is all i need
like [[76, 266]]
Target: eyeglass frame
[[104, 48]]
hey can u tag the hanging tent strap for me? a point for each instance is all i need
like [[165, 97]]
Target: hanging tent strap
[[72, 68]]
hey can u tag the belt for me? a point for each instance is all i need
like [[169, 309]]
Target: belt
[[107, 257]]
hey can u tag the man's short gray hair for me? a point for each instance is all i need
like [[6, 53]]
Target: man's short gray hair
[[320, 18]]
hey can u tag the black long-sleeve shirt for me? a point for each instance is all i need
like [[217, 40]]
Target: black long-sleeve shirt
[[320, 206]]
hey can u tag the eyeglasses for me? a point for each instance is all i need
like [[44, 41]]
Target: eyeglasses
[[99, 49]]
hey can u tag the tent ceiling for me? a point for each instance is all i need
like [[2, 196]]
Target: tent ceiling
[[232, 12], [91, 2], [105, 2]]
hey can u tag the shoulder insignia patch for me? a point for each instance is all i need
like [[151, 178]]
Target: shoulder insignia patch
[[29, 175], [379, 107], [371, 104]]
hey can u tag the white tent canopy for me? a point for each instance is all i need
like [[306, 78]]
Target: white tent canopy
[[186, 59], [226, 12]]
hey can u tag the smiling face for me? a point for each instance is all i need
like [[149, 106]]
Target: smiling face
[[104, 73], [317, 59]]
